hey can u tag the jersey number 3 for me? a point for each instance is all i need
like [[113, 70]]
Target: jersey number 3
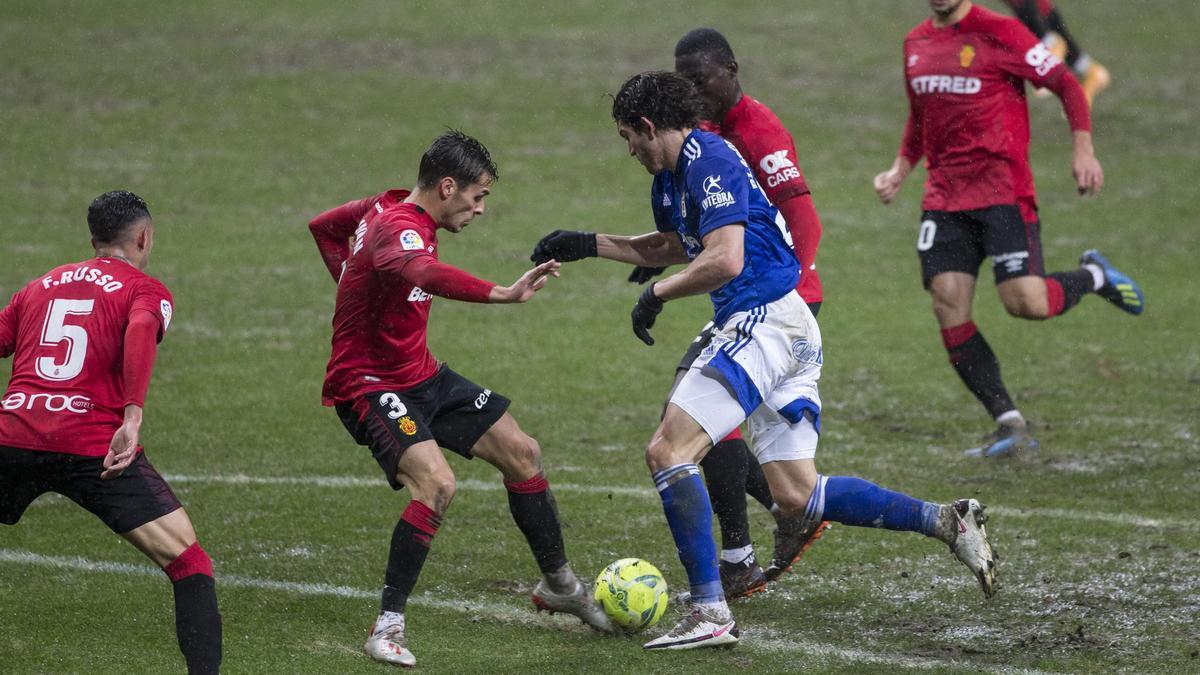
[[55, 331]]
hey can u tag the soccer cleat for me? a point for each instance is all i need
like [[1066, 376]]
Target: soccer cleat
[[1006, 441], [971, 545], [1118, 288], [578, 603], [388, 645], [698, 629], [1095, 80], [792, 539], [738, 580]]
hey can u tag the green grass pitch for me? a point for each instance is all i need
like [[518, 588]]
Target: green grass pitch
[[238, 121]]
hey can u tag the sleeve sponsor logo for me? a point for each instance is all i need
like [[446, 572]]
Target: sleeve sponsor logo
[[418, 295], [164, 308], [779, 168], [716, 196], [946, 84], [966, 56], [410, 240], [1041, 59]]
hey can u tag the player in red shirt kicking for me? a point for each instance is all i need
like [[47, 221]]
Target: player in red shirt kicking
[[731, 471], [965, 71], [83, 338], [394, 397]]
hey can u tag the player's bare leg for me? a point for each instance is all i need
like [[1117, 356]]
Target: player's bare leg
[[800, 491], [423, 470], [170, 541], [672, 454], [519, 459], [976, 364]]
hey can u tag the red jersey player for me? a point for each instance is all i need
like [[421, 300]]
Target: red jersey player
[[83, 338], [394, 397], [965, 71], [731, 471]]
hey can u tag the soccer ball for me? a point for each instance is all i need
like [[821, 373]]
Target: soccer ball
[[633, 593]]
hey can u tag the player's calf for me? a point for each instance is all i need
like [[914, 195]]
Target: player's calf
[[197, 619]]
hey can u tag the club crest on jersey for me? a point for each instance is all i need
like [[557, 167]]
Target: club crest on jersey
[[716, 195], [407, 426], [966, 56], [165, 308], [410, 240]]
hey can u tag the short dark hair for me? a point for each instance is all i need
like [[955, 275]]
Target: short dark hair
[[458, 156], [665, 98], [113, 212], [705, 42]]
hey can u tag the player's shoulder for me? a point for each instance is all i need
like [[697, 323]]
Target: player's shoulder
[[920, 31], [1000, 28], [759, 129]]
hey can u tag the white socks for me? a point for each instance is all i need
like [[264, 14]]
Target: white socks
[[1012, 418], [1097, 275], [387, 620], [737, 555]]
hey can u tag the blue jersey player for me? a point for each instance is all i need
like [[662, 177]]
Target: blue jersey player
[[762, 365]]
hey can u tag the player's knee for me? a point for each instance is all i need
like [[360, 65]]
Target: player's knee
[[435, 490], [1025, 306], [660, 454], [524, 456], [792, 501]]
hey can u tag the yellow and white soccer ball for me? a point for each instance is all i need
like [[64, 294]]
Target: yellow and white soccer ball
[[633, 593]]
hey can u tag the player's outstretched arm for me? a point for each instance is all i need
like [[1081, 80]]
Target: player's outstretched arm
[[655, 249], [530, 283]]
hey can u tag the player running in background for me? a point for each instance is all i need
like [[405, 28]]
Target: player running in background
[[83, 337], [394, 397], [704, 56], [964, 72], [1043, 18], [762, 365]]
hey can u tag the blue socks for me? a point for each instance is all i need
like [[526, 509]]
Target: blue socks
[[689, 513], [854, 501]]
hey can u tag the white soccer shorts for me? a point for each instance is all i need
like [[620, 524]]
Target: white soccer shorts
[[762, 366]]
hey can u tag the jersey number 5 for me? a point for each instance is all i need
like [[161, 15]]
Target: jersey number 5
[[55, 331]]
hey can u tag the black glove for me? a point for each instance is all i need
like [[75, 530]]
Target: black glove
[[644, 313], [641, 275], [564, 246]]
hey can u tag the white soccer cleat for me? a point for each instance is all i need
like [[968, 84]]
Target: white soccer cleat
[[697, 630], [971, 545], [388, 645], [578, 603]]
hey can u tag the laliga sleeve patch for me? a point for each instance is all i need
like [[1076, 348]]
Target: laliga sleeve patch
[[164, 308], [410, 240]]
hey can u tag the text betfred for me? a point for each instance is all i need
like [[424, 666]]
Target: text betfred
[[83, 274], [946, 84]]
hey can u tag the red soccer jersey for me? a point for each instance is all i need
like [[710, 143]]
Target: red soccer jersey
[[66, 331], [767, 146], [379, 322], [968, 117]]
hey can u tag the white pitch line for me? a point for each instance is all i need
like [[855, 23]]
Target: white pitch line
[[771, 641], [648, 492]]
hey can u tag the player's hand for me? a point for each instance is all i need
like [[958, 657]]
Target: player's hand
[[564, 246], [530, 283], [1089, 176], [641, 275], [122, 449], [644, 313], [887, 184]]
